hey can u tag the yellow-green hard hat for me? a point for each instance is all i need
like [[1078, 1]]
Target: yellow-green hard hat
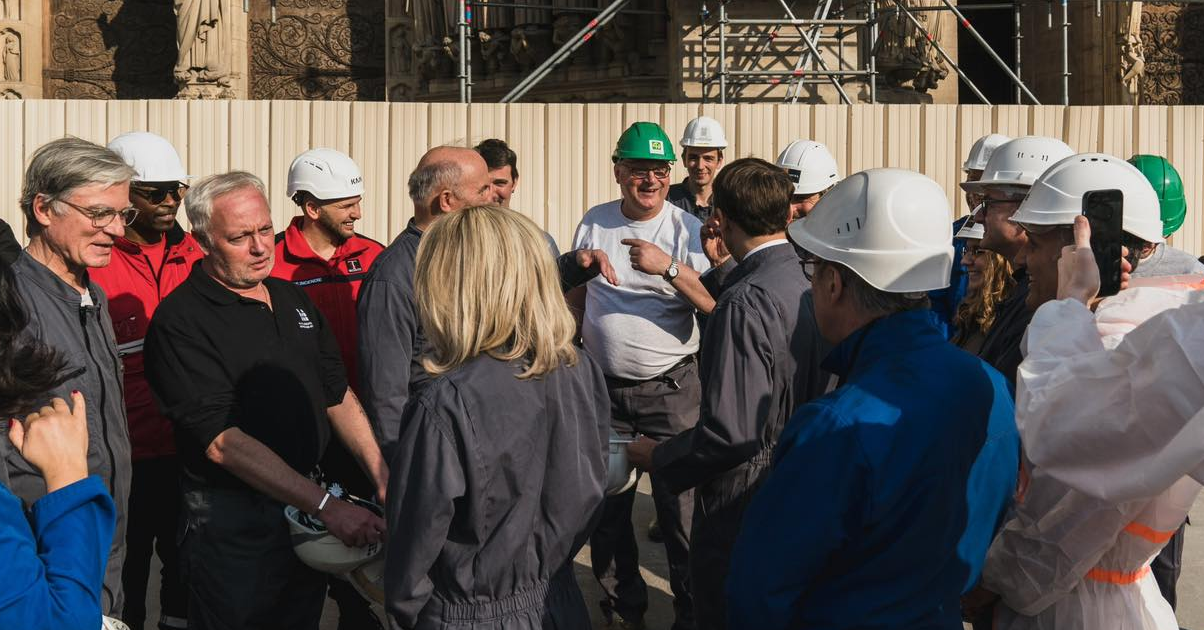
[[1169, 186], [644, 141]]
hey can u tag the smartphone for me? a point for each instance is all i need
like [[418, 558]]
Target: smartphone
[[1104, 209]]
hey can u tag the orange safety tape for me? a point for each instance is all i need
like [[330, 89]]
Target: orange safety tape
[[1155, 536], [1117, 577]]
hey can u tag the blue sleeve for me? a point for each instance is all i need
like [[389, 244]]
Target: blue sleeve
[[53, 572], [809, 506]]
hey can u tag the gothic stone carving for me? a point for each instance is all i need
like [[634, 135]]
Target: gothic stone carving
[[1174, 54], [110, 49], [905, 55], [318, 49], [11, 52], [204, 44]]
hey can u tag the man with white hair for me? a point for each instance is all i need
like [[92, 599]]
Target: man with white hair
[[76, 201], [250, 374], [148, 263]]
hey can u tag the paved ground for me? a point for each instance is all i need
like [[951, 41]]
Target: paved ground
[[660, 613]]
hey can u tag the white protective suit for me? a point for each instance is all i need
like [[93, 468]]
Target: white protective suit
[[1111, 423]]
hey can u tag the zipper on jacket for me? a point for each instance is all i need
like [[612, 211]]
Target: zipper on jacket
[[104, 420]]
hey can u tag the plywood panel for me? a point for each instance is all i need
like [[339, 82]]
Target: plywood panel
[[1083, 129], [125, 116], [409, 138], [250, 131], [565, 171], [290, 128], [1048, 120], [791, 122], [170, 120], [1011, 120], [329, 126], [1186, 152], [209, 136], [939, 157], [755, 134], [369, 147], [1116, 131], [674, 117], [12, 136], [448, 124], [903, 137], [526, 137], [487, 120], [830, 126], [44, 121], [1150, 129], [865, 147], [87, 120], [603, 124]]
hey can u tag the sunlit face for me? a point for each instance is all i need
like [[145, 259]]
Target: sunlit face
[[474, 188], [702, 164], [644, 184], [974, 260], [504, 182], [337, 218], [241, 241], [71, 232], [802, 205], [1041, 253], [157, 204], [999, 234]]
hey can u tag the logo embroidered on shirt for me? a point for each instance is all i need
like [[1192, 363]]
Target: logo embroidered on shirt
[[353, 265], [304, 323]]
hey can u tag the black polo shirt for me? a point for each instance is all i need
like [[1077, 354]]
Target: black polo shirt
[[680, 196], [217, 360]]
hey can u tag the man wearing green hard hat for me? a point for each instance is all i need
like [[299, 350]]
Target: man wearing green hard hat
[[1160, 259], [644, 334]]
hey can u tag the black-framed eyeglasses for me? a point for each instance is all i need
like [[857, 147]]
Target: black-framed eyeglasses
[[156, 195], [102, 216], [809, 263], [987, 202], [660, 172]]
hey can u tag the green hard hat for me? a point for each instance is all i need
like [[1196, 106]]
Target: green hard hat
[[1169, 186], [644, 141]]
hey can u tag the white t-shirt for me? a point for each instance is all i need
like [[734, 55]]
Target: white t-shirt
[[642, 327]]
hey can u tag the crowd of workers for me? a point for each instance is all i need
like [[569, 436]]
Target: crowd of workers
[[853, 413]]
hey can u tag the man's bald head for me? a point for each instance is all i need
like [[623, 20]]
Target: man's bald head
[[446, 180]]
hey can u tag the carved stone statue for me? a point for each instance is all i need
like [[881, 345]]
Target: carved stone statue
[[12, 95], [1132, 54], [399, 48], [430, 61], [10, 9], [620, 45], [203, 42], [12, 57], [904, 54], [495, 49], [530, 45]]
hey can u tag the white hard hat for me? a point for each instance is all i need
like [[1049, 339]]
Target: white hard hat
[[970, 229], [981, 152], [151, 156], [810, 165], [1018, 163], [620, 474], [368, 579], [704, 132], [325, 174], [321, 550], [1057, 197], [889, 225]]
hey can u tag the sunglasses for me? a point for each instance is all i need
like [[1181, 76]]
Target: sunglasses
[[157, 195]]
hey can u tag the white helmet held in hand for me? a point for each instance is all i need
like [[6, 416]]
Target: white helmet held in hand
[[1017, 164], [810, 165], [325, 174], [150, 155], [981, 152], [321, 550], [368, 579], [704, 132], [620, 474], [889, 225], [1057, 196]]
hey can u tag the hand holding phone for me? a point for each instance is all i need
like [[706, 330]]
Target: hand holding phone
[[1104, 210]]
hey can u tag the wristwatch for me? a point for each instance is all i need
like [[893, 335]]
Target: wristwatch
[[671, 272]]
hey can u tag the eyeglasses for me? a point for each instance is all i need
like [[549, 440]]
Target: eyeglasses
[[157, 195], [810, 263], [102, 216], [987, 202], [660, 172]]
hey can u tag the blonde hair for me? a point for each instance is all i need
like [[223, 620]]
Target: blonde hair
[[978, 308], [486, 283]]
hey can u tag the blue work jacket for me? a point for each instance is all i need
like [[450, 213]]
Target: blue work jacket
[[54, 561], [885, 493], [945, 301]]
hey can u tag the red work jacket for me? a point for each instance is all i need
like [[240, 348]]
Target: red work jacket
[[134, 292], [333, 285]]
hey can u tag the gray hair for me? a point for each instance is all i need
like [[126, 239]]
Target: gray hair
[[198, 202], [428, 179], [61, 166], [876, 301]]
